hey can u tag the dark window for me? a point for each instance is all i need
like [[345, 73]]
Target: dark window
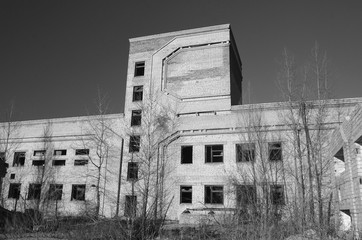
[[275, 151], [19, 159], [186, 194], [139, 69], [186, 154], [245, 152], [82, 152], [136, 118], [137, 93], [39, 153], [130, 206], [214, 194], [132, 171], [277, 194], [2, 156], [78, 192], [38, 162], [58, 162], [134, 143], [14, 190], [245, 194], [80, 162], [55, 192], [214, 153], [12, 176], [34, 191], [60, 152]]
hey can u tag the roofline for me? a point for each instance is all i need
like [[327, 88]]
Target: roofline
[[182, 32], [66, 119], [285, 105]]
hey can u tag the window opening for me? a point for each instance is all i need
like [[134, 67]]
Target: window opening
[[245, 152], [245, 195], [214, 153], [137, 93], [39, 153], [58, 162], [19, 159], [139, 69], [14, 190], [132, 171], [78, 192], [60, 152], [214, 194], [82, 152], [136, 118], [275, 151], [186, 154], [34, 191], [80, 162], [277, 194], [130, 206], [134, 143], [38, 163], [186, 194], [55, 192]]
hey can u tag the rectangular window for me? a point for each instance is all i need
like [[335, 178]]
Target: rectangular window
[[34, 191], [132, 171], [80, 162], [245, 152], [186, 154], [19, 159], [55, 192], [130, 206], [137, 93], [38, 163], [214, 153], [58, 162], [214, 194], [185, 194], [136, 118], [275, 151], [12, 176], [139, 69], [78, 192], [61, 152], [82, 152], [277, 194], [39, 153], [134, 143], [245, 195], [14, 190]]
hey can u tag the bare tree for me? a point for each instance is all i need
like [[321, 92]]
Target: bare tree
[[8, 132], [259, 179], [100, 134], [152, 126], [306, 116]]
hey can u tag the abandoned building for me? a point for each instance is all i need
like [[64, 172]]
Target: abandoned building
[[185, 146]]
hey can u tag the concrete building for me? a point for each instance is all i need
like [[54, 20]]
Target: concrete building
[[190, 146]]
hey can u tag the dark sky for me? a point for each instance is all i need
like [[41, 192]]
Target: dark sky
[[55, 54]]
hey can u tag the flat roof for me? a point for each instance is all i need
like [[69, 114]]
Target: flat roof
[[182, 32]]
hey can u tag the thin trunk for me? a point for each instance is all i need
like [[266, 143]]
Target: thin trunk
[[310, 165], [301, 177]]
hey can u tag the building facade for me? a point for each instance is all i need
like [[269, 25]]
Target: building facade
[[185, 146]]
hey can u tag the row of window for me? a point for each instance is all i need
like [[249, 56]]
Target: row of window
[[245, 194], [55, 191], [245, 152], [19, 157], [214, 194]]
